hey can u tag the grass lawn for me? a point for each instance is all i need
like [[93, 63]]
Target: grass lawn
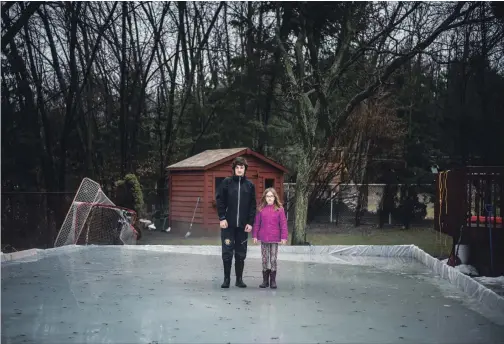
[[436, 244]]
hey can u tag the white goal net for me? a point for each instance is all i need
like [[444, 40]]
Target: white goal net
[[93, 219]]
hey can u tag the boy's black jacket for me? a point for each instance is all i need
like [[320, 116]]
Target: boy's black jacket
[[238, 208]]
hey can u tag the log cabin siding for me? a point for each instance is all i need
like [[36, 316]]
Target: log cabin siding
[[184, 192], [187, 185]]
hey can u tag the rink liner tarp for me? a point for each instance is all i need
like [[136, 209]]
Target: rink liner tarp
[[398, 255]]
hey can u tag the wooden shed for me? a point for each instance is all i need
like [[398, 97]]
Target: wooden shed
[[200, 176]]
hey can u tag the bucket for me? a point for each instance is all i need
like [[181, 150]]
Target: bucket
[[463, 253]]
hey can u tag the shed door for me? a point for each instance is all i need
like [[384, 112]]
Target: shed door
[[268, 180]]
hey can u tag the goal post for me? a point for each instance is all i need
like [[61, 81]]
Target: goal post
[[94, 219], [104, 225]]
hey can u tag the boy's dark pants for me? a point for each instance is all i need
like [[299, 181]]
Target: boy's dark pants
[[234, 240]]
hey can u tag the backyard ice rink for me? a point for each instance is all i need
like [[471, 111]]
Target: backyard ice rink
[[156, 294]]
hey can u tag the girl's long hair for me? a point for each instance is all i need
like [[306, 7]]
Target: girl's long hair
[[277, 204]]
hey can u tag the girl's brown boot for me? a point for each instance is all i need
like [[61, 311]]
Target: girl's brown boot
[[266, 275], [273, 284]]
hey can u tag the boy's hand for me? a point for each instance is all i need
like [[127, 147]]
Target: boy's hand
[[283, 242], [223, 224], [248, 228], [255, 240]]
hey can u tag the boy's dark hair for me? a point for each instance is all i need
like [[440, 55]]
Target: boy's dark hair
[[240, 161]]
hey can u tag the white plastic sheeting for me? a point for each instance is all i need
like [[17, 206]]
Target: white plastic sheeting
[[21, 255], [385, 257], [465, 283], [494, 283], [465, 269], [35, 254], [335, 254], [343, 250], [491, 280]]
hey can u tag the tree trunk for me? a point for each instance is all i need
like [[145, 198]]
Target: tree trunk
[[123, 111], [363, 186], [301, 201], [301, 208]]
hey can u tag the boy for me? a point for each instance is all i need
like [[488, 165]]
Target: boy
[[236, 206]]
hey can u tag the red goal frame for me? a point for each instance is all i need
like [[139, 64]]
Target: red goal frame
[[100, 205]]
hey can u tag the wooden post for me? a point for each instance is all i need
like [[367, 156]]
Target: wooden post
[[206, 201], [332, 200], [288, 199]]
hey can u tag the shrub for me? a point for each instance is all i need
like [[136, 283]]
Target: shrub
[[129, 194]]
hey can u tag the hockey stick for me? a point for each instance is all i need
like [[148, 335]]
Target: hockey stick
[[192, 220]]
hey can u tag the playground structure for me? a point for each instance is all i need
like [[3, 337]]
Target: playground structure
[[469, 207]]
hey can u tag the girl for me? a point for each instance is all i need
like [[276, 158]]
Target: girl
[[270, 228]]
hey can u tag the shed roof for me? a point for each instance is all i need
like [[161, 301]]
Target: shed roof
[[213, 157]]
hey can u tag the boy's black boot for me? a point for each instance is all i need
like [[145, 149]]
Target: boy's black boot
[[266, 276], [227, 274], [239, 265], [273, 284]]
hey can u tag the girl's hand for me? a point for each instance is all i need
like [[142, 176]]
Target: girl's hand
[[283, 242], [255, 240]]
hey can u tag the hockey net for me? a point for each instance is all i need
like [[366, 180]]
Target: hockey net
[[93, 219]]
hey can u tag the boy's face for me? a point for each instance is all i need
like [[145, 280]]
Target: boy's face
[[239, 170]]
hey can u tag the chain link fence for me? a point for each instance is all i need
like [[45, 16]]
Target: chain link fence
[[338, 206], [33, 219]]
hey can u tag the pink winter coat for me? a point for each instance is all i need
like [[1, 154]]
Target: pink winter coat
[[270, 225]]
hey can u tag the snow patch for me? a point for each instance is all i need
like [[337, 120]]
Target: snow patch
[[491, 280], [464, 268]]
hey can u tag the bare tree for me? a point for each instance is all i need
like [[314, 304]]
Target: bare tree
[[312, 100]]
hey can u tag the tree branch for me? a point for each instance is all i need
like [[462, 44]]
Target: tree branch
[[398, 62], [14, 29]]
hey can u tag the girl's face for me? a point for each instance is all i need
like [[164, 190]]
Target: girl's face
[[270, 198]]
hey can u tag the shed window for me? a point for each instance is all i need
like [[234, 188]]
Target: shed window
[[269, 183], [218, 181]]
